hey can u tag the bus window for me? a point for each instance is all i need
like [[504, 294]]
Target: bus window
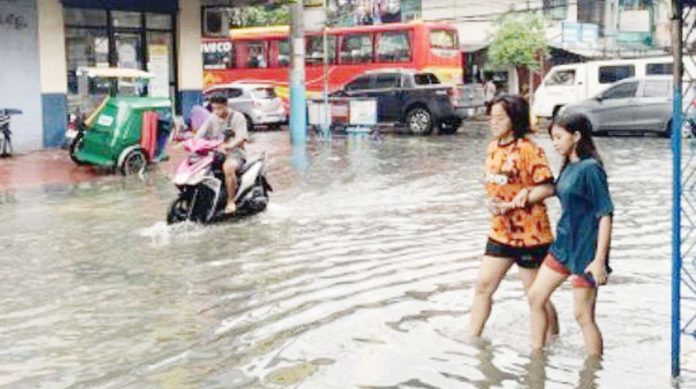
[[356, 48], [279, 53], [443, 39], [315, 50], [218, 55], [252, 55], [611, 74], [393, 47]]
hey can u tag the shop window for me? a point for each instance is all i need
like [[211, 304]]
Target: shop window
[[393, 47], [158, 21], [126, 19], [84, 17], [356, 48]]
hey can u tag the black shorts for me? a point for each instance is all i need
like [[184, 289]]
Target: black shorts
[[525, 257]]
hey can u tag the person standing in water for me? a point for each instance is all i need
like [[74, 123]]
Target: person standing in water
[[514, 164]]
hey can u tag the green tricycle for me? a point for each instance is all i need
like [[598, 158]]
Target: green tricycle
[[123, 133]]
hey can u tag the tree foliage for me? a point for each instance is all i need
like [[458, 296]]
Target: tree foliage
[[260, 15], [518, 40]]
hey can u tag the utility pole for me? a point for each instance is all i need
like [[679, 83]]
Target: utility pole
[[676, 184], [298, 102], [529, 68], [325, 40]]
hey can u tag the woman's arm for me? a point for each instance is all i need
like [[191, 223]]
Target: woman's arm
[[533, 195], [598, 267]]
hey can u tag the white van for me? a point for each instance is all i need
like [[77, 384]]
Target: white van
[[565, 84]]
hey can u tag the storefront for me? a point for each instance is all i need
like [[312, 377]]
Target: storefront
[[122, 34]]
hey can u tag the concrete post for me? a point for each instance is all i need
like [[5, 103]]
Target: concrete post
[[298, 103], [53, 71], [190, 60]]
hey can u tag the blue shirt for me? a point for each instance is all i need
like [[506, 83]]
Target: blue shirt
[[583, 191]]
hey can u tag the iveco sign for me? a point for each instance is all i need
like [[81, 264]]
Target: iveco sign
[[217, 47]]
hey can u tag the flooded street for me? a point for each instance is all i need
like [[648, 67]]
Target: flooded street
[[359, 274]]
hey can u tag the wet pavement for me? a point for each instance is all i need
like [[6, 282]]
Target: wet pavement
[[359, 274]]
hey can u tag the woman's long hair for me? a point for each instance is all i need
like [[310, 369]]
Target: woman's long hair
[[574, 123]]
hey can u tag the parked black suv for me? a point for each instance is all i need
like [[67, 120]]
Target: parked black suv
[[416, 99]]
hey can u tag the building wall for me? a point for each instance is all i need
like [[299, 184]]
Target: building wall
[[19, 72], [53, 67], [190, 58]]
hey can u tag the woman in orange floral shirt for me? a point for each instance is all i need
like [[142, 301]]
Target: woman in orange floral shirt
[[523, 236]]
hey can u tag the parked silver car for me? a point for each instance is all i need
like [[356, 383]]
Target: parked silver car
[[258, 102], [632, 104]]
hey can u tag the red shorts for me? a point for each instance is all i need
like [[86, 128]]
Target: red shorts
[[579, 280]]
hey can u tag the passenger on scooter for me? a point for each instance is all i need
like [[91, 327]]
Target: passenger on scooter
[[231, 125]]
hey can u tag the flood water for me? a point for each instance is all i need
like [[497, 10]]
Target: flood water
[[359, 275]]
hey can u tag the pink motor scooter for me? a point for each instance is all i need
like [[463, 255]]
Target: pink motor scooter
[[201, 183]]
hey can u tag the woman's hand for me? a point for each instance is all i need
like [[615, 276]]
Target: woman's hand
[[598, 270], [521, 199], [498, 207]]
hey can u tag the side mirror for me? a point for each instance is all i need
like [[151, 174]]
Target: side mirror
[[599, 98]]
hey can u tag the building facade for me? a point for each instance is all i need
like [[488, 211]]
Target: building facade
[[46, 41]]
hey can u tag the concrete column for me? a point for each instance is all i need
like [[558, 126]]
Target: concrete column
[[190, 59], [19, 72], [53, 71]]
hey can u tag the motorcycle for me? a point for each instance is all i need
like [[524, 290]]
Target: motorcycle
[[201, 183]]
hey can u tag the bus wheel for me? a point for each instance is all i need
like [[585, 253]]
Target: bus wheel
[[419, 121]]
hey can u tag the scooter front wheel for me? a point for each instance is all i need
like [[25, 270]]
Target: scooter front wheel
[[178, 211]]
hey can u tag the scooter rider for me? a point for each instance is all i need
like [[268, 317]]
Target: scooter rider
[[232, 126]]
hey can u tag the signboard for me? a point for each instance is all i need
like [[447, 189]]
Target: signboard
[[579, 34], [369, 12], [159, 66], [634, 21], [363, 112]]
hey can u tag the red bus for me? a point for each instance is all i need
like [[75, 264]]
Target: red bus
[[263, 54]]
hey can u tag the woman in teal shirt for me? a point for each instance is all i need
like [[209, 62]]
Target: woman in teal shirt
[[581, 248]]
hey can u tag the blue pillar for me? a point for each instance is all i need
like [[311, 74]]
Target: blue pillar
[[676, 184], [188, 99], [298, 113], [55, 119]]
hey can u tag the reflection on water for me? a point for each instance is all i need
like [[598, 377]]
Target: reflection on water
[[359, 274]]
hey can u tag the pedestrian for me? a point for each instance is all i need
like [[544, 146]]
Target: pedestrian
[[583, 236], [517, 236], [489, 93]]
